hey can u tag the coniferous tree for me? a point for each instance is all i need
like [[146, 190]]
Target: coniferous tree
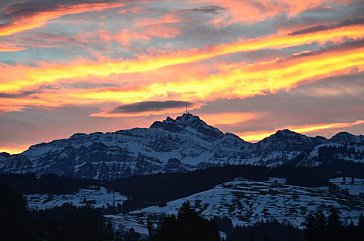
[[268, 230], [361, 227], [131, 235], [319, 228], [316, 227], [334, 226], [13, 218], [266, 237], [187, 226]]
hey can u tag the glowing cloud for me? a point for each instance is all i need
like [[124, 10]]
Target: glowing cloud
[[244, 82], [229, 118], [41, 18], [146, 55], [259, 10], [21, 77], [241, 82], [14, 149], [9, 47], [259, 135]]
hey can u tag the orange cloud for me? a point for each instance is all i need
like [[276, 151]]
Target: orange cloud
[[126, 36], [253, 11], [42, 18], [244, 82], [130, 10], [215, 119], [21, 77], [229, 118], [197, 85], [145, 29], [259, 135], [166, 19], [9, 47]]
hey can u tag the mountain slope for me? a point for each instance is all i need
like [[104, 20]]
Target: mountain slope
[[173, 145], [246, 202]]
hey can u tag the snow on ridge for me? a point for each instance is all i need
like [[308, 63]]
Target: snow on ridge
[[141, 151], [97, 197], [354, 186], [246, 202]]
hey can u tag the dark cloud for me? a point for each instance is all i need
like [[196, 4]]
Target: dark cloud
[[318, 28], [17, 95], [28, 8], [340, 47], [79, 85], [209, 9], [151, 106]]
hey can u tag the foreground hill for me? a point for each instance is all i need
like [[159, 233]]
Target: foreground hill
[[246, 202], [175, 145]]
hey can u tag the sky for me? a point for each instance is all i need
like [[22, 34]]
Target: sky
[[250, 67]]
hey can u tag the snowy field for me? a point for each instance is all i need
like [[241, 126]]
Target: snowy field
[[247, 202], [353, 186], [97, 197]]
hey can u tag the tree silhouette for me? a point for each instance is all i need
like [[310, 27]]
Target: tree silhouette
[[187, 226], [13, 219], [334, 226], [320, 228]]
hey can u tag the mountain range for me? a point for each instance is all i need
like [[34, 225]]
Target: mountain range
[[176, 145]]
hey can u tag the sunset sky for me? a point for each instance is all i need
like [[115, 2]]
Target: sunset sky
[[249, 67]]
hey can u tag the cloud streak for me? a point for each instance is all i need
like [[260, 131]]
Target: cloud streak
[[147, 108], [244, 82], [47, 73], [305, 129], [113, 64], [318, 28], [151, 106], [9, 47], [36, 19], [252, 11]]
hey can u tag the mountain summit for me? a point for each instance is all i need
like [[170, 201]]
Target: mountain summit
[[172, 145], [191, 122]]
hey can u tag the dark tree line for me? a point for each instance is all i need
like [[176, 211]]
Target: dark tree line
[[188, 225], [47, 184], [58, 224], [13, 217], [318, 227], [265, 231], [159, 189], [330, 228], [334, 152], [68, 223]]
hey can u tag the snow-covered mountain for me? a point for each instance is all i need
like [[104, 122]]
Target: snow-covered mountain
[[342, 146], [173, 145]]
